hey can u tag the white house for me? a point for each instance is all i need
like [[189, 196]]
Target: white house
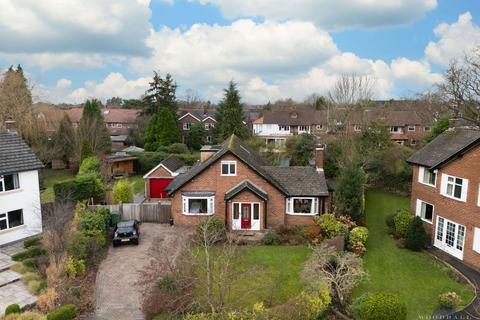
[[20, 211]]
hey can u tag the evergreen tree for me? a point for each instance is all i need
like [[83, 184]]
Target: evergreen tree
[[65, 140], [440, 126], [230, 115], [301, 149], [196, 137], [350, 192], [92, 128], [416, 237], [86, 150], [162, 130], [162, 93]]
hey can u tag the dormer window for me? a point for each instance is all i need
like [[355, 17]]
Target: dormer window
[[293, 115], [229, 168]]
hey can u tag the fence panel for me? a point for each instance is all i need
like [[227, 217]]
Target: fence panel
[[144, 212]]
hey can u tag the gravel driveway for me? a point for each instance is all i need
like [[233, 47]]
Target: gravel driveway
[[118, 291]]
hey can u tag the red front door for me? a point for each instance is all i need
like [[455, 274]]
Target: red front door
[[246, 216], [157, 187]]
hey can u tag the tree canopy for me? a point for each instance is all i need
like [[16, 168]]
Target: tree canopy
[[161, 94], [161, 131], [300, 149], [230, 115], [196, 136], [92, 128]]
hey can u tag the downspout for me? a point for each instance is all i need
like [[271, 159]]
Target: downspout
[[265, 226], [226, 215]]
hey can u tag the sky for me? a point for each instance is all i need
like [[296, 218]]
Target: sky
[[273, 49]]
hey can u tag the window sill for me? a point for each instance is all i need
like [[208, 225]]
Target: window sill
[[453, 198], [302, 214], [427, 221], [13, 229], [427, 184], [10, 191], [228, 175], [198, 214]]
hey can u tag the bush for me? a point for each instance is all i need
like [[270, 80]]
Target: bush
[[30, 263], [65, 190], [312, 306], [46, 301], [20, 268], [358, 235], [78, 245], [271, 239], [329, 226], [402, 221], [211, 228], [90, 165], [379, 306], [27, 315], [177, 148], [416, 237], [88, 186], [65, 312], [97, 219], [122, 192], [12, 308], [390, 221], [450, 300], [35, 241], [28, 253], [74, 268], [36, 286], [312, 233]]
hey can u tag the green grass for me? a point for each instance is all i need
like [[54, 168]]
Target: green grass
[[137, 183], [415, 277], [50, 177]]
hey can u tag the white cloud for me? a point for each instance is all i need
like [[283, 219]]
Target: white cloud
[[117, 27], [454, 40], [64, 83], [417, 73], [329, 14]]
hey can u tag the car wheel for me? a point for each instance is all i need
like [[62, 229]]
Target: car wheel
[[137, 241], [114, 244]]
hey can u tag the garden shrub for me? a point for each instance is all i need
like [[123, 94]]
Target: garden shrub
[[177, 148], [390, 221], [97, 219], [379, 306], [88, 186], [416, 237], [20, 268], [271, 239], [28, 253], [76, 291], [35, 241], [27, 315], [358, 235], [347, 221], [46, 301], [65, 190], [212, 228], [312, 233], [65, 312], [78, 245], [74, 268], [402, 221], [36, 286], [30, 263], [329, 225], [312, 306], [90, 165], [122, 192], [450, 300], [12, 308]]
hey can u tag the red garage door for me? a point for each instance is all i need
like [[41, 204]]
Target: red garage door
[[157, 187]]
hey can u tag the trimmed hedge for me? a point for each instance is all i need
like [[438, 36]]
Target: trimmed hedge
[[65, 312], [80, 188], [28, 253], [13, 308], [149, 160], [379, 306]]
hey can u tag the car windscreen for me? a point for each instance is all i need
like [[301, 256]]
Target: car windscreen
[[124, 230]]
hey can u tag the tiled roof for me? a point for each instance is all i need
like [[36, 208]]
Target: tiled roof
[[300, 181], [16, 155], [246, 184], [292, 118], [201, 115], [446, 147], [110, 115], [173, 163]]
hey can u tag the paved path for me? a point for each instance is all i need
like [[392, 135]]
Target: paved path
[[472, 311], [12, 290], [118, 290]]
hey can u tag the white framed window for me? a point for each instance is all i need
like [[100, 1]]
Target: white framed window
[[395, 129], [454, 187], [198, 206], [413, 142], [228, 168], [424, 211], [284, 128], [427, 128], [357, 128], [303, 129], [302, 206], [9, 182], [319, 126], [411, 128], [208, 139], [187, 126], [209, 126], [116, 125], [11, 219], [476, 240], [427, 177]]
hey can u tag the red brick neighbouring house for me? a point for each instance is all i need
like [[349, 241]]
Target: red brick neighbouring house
[[235, 184], [205, 118], [445, 192], [161, 176]]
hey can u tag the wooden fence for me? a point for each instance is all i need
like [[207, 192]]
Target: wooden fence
[[144, 212]]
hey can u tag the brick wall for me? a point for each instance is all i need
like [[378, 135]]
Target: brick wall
[[466, 213]]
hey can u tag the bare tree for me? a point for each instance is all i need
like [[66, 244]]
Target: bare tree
[[343, 271], [461, 87], [351, 89]]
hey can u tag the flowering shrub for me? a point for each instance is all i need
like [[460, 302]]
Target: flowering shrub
[[450, 299]]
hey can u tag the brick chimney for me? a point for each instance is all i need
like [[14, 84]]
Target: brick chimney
[[208, 151], [319, 156]]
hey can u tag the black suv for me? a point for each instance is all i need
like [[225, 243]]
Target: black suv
[[126, 231]]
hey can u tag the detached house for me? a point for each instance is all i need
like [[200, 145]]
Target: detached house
[[235, 184], [446, 192], [189, 118], [20, 212]]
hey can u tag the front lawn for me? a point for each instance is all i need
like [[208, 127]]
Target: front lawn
[[416, 277], [50, 177]]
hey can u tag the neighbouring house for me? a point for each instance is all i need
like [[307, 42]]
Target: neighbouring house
[[233, 183], [446, 193], [161, 176], [119, 164], [205, 118], [20, 209]]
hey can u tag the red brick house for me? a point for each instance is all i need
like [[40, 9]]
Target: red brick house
[[446, 194], [189, 118], [161, 176], [235, 184]]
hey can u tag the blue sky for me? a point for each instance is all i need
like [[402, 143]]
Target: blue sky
[[273, 48]]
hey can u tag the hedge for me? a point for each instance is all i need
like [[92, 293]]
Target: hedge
[[379, 306], [12, 308], [65, 312], [28, 253], [79, 188], [149, 160]]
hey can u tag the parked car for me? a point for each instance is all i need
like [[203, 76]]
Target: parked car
[[126, 232]]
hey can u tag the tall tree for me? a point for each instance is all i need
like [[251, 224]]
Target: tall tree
[[65, 142], [230, 115], [300, 149], [196, 136], [350, 192], [162, 93], [162, 130], [93, 129]]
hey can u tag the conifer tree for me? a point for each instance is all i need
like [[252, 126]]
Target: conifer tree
[[92, 128], [230, 115], [162, 130], [162, 93]]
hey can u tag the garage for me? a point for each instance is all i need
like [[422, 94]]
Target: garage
[[160, 177]]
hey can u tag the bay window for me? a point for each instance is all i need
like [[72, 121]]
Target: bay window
[[197, 205], [11, 219], [302, 205], [9, 182]]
